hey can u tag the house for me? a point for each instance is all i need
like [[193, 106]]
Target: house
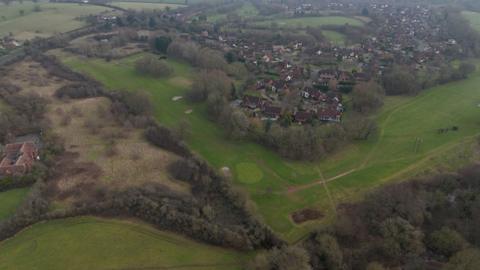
[[361, 77], [272, 112], [344, 77], [9, 43], [327, 75], [318, 95], [302, 117], [18, 158], [279, 86], [327, 79], [252, 102], [329, 114]]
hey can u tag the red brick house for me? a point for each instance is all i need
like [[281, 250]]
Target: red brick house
[[329, 114], [272, 112], [302, 117], [18, 158], [253, 102]]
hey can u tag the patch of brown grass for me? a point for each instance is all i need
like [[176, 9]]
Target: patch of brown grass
[[101, 154], [181, 81], [133, 162], [31, 76]]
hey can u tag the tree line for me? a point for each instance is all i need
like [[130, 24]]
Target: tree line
[[400, 80]]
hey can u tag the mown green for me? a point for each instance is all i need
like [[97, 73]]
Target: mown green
[[94, 243]]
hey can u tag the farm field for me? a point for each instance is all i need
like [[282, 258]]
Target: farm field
[[312, 22], [94, 243], [10, 200], [145, 6], [25, 23], [408, 143], [473, 18]]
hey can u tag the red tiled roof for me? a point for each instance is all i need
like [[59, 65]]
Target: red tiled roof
[[302, 116], [18, 158]]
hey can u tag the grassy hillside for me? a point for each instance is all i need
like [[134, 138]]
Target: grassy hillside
[[10, 200], [312, 22], [408, 142], [93, 243], [473, 18], [25, 23]]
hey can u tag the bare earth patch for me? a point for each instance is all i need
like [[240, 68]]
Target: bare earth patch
[[305, 215], [181, 81], [176, 98]]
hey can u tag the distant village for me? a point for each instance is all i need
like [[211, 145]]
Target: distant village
[[402, 35]]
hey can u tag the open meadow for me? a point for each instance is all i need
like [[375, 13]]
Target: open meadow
[[245, 11], [473, 18], [301, 23], [408, 143], [334, 37], [145, 6], [28, 20], [94, 243], [312, 22], [10, 200], [99, 151]]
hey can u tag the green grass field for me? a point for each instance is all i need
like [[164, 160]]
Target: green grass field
[[334, 37], [312, 22], [145, 6], [408, 142], [247, 10], [10, 200], [473, 18], [52, 18], [94, 243], [3, 106]]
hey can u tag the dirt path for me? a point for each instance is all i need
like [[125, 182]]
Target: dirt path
[[367, 159], [319, 182], [295, 189], [329, 195], [409, 168]]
